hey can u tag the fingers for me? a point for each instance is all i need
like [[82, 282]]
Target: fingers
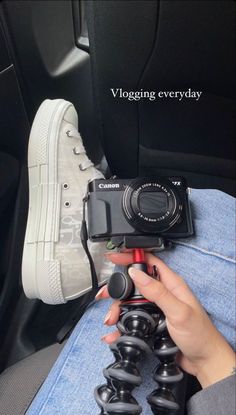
[[171, 293], [102, 293], [120, 258], [155, 291], [111, 337], [127, 258], [113, 314], [172, 281]]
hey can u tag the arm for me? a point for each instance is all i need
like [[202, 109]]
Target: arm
[[218, 399], [205, 352]]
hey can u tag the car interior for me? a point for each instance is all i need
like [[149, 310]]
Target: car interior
[[79, 50]]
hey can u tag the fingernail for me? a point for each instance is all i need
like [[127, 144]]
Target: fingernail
[[103, 338], [99, 294], [107, 317], [139, 277]]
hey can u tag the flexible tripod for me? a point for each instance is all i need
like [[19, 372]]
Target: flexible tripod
[[143, 330]]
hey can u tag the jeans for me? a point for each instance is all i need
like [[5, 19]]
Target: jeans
[[206, 261]]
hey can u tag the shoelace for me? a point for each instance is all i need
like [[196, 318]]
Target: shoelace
[[79, 149]]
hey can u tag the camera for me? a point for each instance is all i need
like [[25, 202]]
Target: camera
[[138, 210]]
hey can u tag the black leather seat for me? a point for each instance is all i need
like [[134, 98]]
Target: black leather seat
[[166, 46]]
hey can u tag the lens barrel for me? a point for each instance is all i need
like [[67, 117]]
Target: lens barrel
[[151, 205]]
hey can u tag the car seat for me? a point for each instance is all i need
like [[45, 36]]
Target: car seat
[[166, 46]]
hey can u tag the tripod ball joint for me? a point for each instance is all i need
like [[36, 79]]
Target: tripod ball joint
[[121, 286]]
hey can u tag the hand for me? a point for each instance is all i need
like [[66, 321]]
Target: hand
[[204, 351]]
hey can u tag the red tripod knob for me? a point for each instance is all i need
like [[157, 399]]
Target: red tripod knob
[[138, 255]]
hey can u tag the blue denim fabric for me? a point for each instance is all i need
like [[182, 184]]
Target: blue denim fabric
[[206, 261]]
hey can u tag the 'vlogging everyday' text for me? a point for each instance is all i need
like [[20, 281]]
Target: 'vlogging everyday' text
[[153, 95]]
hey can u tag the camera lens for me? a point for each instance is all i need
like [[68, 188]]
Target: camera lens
[[151, 206], [151, 203]]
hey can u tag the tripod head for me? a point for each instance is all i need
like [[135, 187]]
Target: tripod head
[[120, 285]]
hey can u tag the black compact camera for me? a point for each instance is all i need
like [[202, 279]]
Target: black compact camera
[[138, 209]]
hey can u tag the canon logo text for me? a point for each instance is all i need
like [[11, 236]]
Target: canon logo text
[[109, 186]]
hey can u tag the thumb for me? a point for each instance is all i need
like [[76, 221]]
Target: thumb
[[157, 292]]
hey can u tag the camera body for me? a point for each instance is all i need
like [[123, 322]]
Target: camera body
[[138, 208]]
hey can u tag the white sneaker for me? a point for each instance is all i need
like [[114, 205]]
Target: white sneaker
[[54, 266]]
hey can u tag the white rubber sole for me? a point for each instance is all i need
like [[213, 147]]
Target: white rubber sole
[[40, 271]]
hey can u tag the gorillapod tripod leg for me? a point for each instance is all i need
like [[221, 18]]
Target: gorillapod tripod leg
[[141, 324], [167, 373]]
